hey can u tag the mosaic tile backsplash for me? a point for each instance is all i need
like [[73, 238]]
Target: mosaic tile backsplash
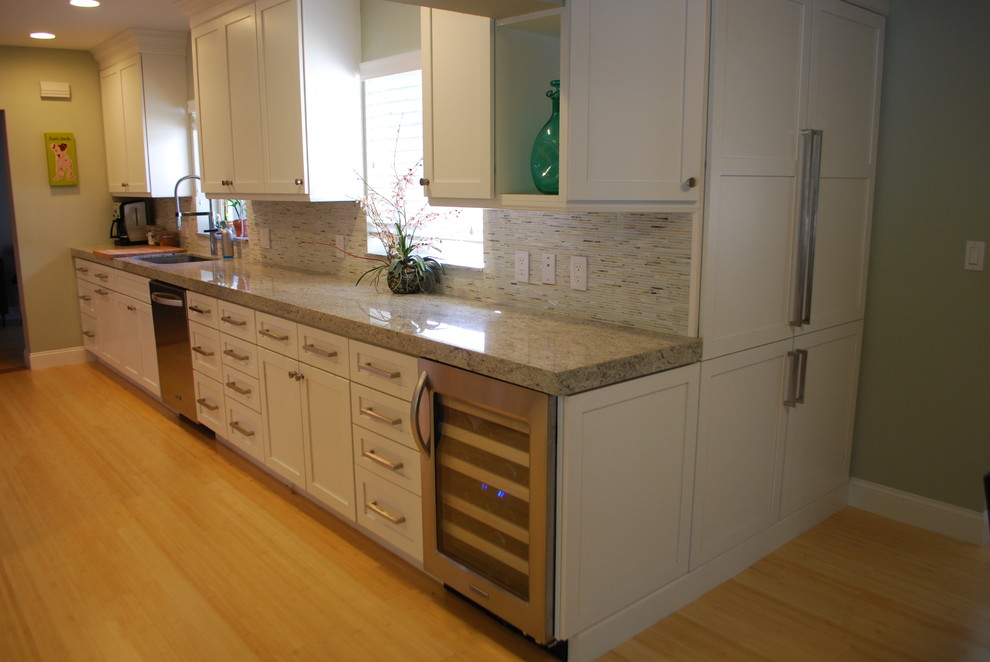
[[639, 265]]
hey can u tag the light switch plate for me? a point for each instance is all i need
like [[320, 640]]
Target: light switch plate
[[974, 255], [549, 265]]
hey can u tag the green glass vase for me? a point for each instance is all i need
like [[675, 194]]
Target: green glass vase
[[544, 160]]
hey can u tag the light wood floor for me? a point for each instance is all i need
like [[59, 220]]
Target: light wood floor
[[126, 534]]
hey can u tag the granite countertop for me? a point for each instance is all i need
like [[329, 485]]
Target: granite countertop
[[549, 353]]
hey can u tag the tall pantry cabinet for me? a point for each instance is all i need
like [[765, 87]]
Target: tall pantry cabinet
[[795, 92]]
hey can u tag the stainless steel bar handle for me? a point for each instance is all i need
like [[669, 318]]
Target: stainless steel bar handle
[[166, 299], [375, 416], [313, 349], [200, 350], [232, 321], [235, 425], [236, 388], [201, 311], [421, 386], [206, 404], [378, 459], [379, 372], [391, 517], [271, 334], [815, 188], [234, 355], [804, 222], [790, 400], [803, 356]]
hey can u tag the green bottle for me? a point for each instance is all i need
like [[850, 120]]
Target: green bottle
[[544, 161]]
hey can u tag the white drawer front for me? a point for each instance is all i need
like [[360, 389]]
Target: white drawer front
[[236, 320], [383, 369], [390, 512], [387, 459], [133, 286], [323, 350], [277, 334], [94, 272], [88, 331], [203, 309], [205, 342], [86, 295], [244, 429], [382, 414], [242, 388], [239, 354], [210, 403]]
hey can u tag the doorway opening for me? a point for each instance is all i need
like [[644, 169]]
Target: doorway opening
[[12, 343]]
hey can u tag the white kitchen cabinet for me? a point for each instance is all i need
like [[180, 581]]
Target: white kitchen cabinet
[[626, 476], [143, 87], [136, 338], [633, 90], [780, 67], [279, 100], [774, 433]]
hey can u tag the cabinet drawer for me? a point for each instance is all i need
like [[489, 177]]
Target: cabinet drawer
[[210, 403], [95, 273], [277, 334], [324, 350], [390, 512], [242, 388], [205, 342], [88, 331], [382, 414], [236, 320], [239, 354], [383, 369], [201, 308], [387, 459], [86, 296], [244, 429], [133, 286]]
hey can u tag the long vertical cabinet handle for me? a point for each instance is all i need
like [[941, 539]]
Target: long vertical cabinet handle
[[811, 162], [798, 377], [417, 398]]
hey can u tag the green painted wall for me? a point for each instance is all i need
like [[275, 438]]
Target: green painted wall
[[388, 28], [48, 220], [923, 421]]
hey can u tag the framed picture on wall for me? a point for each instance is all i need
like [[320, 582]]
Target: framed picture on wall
[[60, 150]]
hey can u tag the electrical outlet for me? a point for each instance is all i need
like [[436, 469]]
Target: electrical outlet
[[579, 272], [265, 237], [522, 266], [549, 265]]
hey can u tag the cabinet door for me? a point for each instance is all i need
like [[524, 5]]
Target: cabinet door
[[626, 465], [114, 135], [146, 348], [636, 102], [458, 157], [844, 102], [741, 428], [107, 327], [129, 340], [283, 416], [327, 434], [760, 63], [122, 91], [819, 430], [284, 120]]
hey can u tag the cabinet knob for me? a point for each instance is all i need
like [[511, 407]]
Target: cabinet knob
[[423, 181], [123, 184], [226, 182], [299, 182], [691, 182]]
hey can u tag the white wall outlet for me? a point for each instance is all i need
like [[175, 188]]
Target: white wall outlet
[[579, 272], [340, 241], [522, 266], [265, 237], [974, 255], [549, 266]]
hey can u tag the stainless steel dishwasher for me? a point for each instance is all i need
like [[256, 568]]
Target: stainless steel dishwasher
[[175, 371]]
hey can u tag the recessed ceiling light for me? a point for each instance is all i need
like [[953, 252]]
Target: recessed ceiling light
[[42, 35], [84, 3]]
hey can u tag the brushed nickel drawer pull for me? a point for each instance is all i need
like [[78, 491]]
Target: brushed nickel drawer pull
[[230, 320], [378, 459], [200, 350], [236, 388], [89, 334], [379, 372], [375, 416], [235, 425], [313, 349], [85, 297], [391, 517], [131, 308], [102, 276], [82, 270], [102, 293], [272, 335], [201, 311], [234, 355], [206, 404]]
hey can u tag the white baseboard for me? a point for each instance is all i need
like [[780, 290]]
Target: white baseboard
[[57, 357], [959, 523]]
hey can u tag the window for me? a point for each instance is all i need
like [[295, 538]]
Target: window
[[393, 130]]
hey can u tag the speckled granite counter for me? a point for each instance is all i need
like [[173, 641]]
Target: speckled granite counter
[[552, 354]]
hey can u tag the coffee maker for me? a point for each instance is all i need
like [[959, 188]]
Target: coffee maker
[[130, 223]]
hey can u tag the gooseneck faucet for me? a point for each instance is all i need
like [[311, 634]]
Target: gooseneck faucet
[[179, 214]]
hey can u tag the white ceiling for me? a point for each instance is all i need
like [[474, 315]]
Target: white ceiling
[[76, 28]]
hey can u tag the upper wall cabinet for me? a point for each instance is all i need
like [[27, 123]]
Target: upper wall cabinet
[[279, 100], [144, 91], [633, 79]]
